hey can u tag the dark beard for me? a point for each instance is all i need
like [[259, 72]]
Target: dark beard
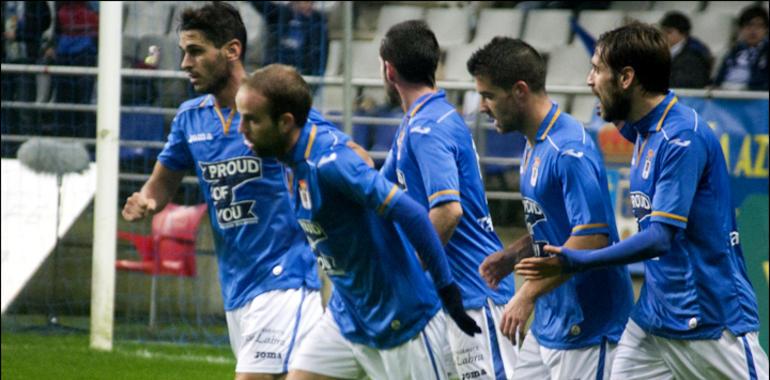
[[394, 99], [619, 106], [219, 77]]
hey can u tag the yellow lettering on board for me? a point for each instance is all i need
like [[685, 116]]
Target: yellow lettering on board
[[724, 140], [743, 167], [760, 162]]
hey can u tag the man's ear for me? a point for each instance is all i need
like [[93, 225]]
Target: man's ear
[[286, 122], [520, 89], [233, 49], [626, 77], [390, 71]]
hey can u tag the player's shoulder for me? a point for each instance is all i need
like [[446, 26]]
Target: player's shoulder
[[194, 103], [569, 134], [684, 127]]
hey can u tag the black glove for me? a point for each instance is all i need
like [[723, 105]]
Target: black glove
[[453, 302]]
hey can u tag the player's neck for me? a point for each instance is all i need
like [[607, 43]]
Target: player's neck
[[642, 104], [540, 106], [411, 92], [225, 98]]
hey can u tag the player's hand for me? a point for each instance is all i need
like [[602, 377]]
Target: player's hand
[[138, 207], [515, 317], [453, 302], [495, 267], [535, 268]]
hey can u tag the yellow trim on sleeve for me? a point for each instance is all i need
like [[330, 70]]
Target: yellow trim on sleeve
[[310, 141], [668, 215], [442, 192], [587, 226], [384, 204]]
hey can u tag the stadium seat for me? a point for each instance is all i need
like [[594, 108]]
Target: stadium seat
[[169, 250], [144, 127], [714, 28], [568, 66], [547, 29], [584, 107], [597, 22], [366, 59], [455, 68], [631, 5], [334, 59], [255, 33], [450, 25], [498, 22], [681, 6], [145, 18], [647, 17], [393, 14], [732, 7]]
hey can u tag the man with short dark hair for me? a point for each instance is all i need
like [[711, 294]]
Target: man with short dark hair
[[578, 319], [270, 286], [745, 66], [434, 160], [691, 60], [384, 317], [696, 317]]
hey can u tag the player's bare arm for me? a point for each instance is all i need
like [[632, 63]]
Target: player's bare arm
[[155, 193], [519, 308], [445, 218], [500, 264]]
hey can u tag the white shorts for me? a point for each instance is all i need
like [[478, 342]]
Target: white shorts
[[265, 331], [538, 362], [488, 355], [645, 356], [326, 352]]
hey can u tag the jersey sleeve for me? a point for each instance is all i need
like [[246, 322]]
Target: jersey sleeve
[[388, 169], [435, 155], [582, 190], [176, 153], [343, 170], [680, 165]]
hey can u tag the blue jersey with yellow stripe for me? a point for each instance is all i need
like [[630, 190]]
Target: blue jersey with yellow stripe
[[679, 177], [258, 242], [564, 186], [434, 160], [381, 297]]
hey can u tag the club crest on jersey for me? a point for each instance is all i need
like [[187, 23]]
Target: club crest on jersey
[[399, 143], [314, 232], [647, 164], [535, 168], [641, 205], [304, 194], [533, 214]]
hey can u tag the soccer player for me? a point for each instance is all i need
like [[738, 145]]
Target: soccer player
[[383, 319], [267, 271], [578, 319], [434, 160], [696, 317]]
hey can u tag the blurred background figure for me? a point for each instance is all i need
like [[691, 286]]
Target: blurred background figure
[[691, 60], [745, 65], [297, 35], [23, 26], [75, 38]]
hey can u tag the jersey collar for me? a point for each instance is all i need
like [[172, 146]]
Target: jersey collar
[[547, 124], [653, 121], [422, 101], [302, 149]]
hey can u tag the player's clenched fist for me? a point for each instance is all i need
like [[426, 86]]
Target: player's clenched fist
[[138, 207]]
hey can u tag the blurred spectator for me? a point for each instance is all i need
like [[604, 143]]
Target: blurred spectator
[[23, 25], [745, 65], [691, 60], [75, 38], [296, 35]]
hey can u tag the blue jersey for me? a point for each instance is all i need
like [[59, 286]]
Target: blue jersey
[[434, 160], [381, 297], [679, 177], [565, 193], [259, 244]]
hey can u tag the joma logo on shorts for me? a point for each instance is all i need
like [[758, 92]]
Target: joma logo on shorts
[[267, 355], [473, 374]]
